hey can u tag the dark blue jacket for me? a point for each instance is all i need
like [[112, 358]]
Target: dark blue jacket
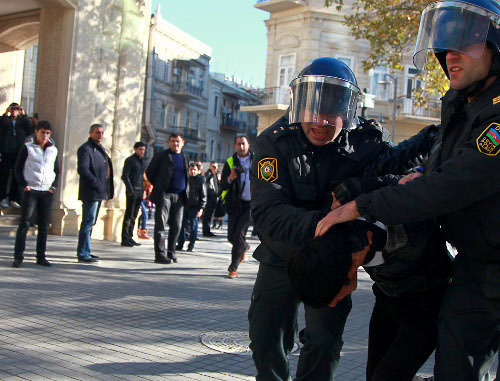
[[96, 173]]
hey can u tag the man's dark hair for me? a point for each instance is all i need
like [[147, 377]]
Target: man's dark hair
[[14, 105], [175, 135], [241, 136], [317, 271], [43, 125], [139, 144], [94, 126]]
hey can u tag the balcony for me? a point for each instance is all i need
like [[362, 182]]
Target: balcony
[[185, 90], [273, 95], [278, 5], [407, 107], [228, 123]]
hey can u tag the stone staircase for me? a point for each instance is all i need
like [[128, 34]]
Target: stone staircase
[[9, 221]]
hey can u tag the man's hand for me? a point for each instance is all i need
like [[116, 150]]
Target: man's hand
[[52, 190], [232, 175], [335, 203], [26, 188], [200, 212], [410, 177], [358, 258], [347, 212]]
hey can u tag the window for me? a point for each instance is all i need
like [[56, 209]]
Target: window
[[216, 105], [188, 119], [382, 91], [175, 117], [411, 81], [163, 116], [349, 61], [286, 69], [198, 116], [165, 74]]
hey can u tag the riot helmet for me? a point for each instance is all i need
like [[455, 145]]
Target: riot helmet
[[325, 91], [464, 26]]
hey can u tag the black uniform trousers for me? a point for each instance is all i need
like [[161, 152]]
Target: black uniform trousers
[[403, 334], [169, 212], [131, 210], [209, 211], [469, 327], [238, 221], [273, 327], [31, 200], [8, 182]]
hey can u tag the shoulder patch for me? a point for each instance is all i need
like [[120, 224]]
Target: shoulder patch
[[496, 100], [268, 169], [489, 140]]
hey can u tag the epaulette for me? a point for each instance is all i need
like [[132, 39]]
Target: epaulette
[[276, 131]]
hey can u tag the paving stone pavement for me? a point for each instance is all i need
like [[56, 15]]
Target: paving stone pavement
[[130, 318]]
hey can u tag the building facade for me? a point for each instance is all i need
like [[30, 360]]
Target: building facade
[[300, 31]]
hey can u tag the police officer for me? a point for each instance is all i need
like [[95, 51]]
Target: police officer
[[297, 162], [462, 186]]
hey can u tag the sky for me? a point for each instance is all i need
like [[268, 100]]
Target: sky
[[234, 29]]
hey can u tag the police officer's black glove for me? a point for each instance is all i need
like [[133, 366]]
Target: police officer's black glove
[[348, 190]]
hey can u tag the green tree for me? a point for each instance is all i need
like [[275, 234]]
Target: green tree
[[391, 28]]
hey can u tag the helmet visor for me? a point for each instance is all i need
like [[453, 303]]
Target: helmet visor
[[451, 25], [323, 100]]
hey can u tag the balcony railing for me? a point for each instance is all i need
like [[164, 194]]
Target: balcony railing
[[187, 90], [228, 122], [273, 95], [407, 106]]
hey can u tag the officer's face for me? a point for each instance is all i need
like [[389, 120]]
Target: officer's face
[[464, 70], [324, 130]]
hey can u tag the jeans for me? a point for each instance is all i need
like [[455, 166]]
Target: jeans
[[90, 211], [189, 227], [131, 211], [41, 200], [273, 326], [143, 218], [168, 211], [237, 226]]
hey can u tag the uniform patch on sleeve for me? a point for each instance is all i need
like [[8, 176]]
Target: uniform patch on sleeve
[[496, 100], [268, 169], [489, 141]]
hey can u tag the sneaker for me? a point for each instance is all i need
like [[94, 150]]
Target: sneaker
[[4, 203], [14, 204], [43, 262], [232, 274], [88, 260], [17, 263]]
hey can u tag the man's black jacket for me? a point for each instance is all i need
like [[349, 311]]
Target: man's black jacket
[[197, 192], [462, 185], [96, 172], [9, 142], [212, 183], [159, 173], [133, 175], [235, 188], [291, 180]]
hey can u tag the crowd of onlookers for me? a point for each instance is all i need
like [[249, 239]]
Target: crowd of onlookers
[[180, 193]]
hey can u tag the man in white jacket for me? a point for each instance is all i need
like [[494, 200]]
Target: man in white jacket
[[37, 172]]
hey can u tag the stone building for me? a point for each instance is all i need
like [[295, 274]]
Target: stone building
[[302, 30], [177, 88], [90, 68]]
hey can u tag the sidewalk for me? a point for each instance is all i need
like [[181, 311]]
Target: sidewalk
[[130, 318]]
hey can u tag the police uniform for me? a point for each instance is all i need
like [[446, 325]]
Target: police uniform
[[291, 183], [464, 189]]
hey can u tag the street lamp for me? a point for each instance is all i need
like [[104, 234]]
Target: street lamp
[[395, 108]]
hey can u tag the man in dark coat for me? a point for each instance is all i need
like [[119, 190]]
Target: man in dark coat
[[133, 177], [15, 126], [168, 172], [96, 184], [212, 192]]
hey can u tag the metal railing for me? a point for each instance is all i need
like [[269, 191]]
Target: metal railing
[[229, 120], [273, 95], [186, 87], [407, 106]]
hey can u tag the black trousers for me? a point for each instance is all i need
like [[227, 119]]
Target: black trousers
[[273, 327], [169, 212], [31, 200], [469, 326], [237, 225], [206, 219], [403, 334], [131, 210], [8, 182]]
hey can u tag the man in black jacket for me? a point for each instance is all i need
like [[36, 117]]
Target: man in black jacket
[[133, 177], [168, 172], [235, 186], [461, 187], [298, 161], [96, 185], [15, 126], [196, 201], [212, 192]]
